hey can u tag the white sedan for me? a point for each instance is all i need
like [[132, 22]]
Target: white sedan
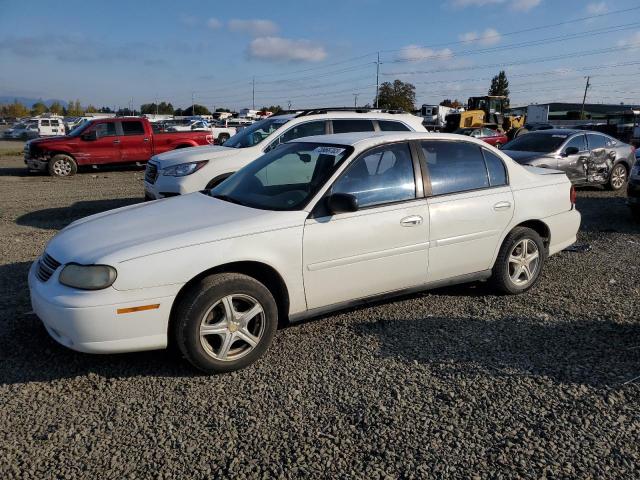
[[314, 225]]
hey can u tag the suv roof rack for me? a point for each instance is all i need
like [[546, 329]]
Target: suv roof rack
[[319, 111]]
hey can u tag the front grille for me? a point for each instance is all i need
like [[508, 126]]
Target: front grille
[[151, 173], [46, 266]]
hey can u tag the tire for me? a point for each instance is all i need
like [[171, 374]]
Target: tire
[[508, 276], [498, 145], [62, 166], [223, 137], [617, 178], [207, 304]]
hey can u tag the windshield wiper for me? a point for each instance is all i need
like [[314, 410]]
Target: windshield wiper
[[226, 198]]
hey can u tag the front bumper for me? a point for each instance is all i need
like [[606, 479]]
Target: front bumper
[[88, 321], [164, 187]]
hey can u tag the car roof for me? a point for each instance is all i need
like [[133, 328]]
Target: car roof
[[352, 115], [556, 131], [368, 139]]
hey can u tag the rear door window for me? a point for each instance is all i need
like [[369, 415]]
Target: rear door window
[[307, 129], [596, 141], [391, 126], [132, 128], [348, 126], [455, 167]]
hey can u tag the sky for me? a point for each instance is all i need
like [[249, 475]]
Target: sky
[[317, 53]]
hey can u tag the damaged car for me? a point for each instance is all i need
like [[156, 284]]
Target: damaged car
[[587, 158]]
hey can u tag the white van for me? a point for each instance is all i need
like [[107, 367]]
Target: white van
[[46, 126]]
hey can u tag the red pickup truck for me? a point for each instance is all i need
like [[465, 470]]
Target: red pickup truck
[[106, 141]]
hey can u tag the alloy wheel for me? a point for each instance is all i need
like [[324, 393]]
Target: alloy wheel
[[232, 327], [524, 261], [618, 176], [62, 168]]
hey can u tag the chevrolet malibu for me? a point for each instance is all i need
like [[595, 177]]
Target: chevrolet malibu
[[313, 226]]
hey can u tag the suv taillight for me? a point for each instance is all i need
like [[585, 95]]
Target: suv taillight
[[572, 195]]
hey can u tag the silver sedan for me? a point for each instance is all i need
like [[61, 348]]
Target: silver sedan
[[588, 158]]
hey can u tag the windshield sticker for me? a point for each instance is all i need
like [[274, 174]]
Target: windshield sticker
[[334, 151]]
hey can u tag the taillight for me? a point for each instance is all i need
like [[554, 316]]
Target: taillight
[[572, 195]]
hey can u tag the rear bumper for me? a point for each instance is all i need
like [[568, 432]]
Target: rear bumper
[[564, 229]]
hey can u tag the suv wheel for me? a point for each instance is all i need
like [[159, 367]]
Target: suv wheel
[[225, 322], [519, 261], [618, 177], [62, 166]]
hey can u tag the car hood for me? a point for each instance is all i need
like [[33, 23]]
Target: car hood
[[49, 140], [185, 155], [147, 228], [525, 157]]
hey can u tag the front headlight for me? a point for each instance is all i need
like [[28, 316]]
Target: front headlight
[[184, 169], [88, 277]]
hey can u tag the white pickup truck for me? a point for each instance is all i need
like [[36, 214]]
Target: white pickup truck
[[221, 133]]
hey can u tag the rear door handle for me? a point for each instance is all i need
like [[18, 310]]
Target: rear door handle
[[145, 139], [502, 206], [116, 141], [411, 221]]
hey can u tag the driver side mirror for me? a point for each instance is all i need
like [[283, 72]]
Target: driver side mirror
[[342, 203], [90, 136], [571, 151]]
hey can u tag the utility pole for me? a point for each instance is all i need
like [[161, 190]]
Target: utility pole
[[377, 78], [156, 104], [193, 103], [584, 99], [253, 94], [288, 104], [355, 100]]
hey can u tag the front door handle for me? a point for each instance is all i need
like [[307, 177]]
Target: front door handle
[[145, 140], [502, 206], [116, 141], [411, 221]]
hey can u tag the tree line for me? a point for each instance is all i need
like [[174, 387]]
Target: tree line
[[396, 95]]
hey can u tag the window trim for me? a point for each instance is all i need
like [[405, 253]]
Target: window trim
[[423, 160], [319, 211], [273, 144], [122, 122]]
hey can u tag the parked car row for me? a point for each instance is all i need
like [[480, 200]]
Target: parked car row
[[325, 210]]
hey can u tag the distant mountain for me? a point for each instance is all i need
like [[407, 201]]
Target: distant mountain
[[28, 102]]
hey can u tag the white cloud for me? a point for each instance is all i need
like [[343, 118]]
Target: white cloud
[[633, 42], [517, 5], [597, 8], [285, 49], [487, 38], [256, 27], [415, 53], [524, 5], [214, 23]]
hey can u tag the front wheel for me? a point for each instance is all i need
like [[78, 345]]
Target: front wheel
[[225, 322], [62, 166], [618, 177], [519, 261]]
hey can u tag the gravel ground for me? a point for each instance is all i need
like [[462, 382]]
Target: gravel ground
[[457, 382]]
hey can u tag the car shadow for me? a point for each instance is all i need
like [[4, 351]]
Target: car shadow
[[83, 170], [29, 354], [591, 352], [618, 218], [59, 217]]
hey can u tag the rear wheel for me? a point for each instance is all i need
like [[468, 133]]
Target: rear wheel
[[62, 166], [519, 261], [618, 177], [225, 322]]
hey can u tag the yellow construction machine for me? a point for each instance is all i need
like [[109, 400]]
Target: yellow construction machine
[[487, 111]]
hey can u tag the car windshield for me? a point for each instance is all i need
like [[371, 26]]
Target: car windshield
[[80, 128], [464, 131], [536, 142], [286, 178], [255, 133]]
